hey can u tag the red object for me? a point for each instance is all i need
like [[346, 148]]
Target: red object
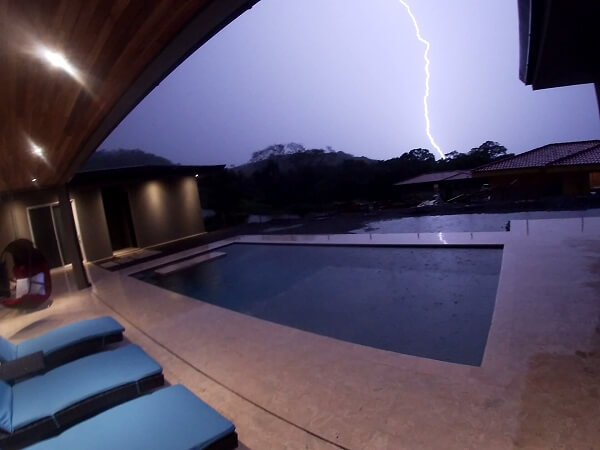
[[28, 262], [29, 272]]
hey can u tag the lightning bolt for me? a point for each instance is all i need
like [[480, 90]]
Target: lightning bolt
[[427, 75]]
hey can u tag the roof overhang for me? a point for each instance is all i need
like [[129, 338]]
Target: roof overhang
[[52, 121], [436, 177], [558, 42], [134, 174]]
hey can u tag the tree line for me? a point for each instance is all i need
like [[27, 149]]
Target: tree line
[[289, 178]]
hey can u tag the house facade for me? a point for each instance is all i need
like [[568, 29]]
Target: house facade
[[113, 209], [559, 169]]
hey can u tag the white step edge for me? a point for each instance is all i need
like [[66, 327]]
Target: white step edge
[[189, 262]]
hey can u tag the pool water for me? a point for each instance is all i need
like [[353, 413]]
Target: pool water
[[431, 302]]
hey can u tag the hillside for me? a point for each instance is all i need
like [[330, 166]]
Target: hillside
[[111, 159], [300, 159]]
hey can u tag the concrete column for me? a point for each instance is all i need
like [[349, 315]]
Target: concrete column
[[71, 243]]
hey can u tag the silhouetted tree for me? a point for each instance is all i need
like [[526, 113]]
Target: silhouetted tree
[[418, 161], [419, 154], [222, 191], [266, 153], [487, 152], [294, 147], [492, 149]]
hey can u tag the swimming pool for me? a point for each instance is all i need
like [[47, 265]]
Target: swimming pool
[[431, 302]]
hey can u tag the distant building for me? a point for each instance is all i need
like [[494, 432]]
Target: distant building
[[447, 184], [113, 209], [568, 168]]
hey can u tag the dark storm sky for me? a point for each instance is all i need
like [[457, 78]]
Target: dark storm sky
[[350, 74]]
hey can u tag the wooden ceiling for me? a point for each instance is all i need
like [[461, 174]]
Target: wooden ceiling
[[52, 119]]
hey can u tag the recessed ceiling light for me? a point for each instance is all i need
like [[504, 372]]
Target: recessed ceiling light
[[36, 149], [58, 60], [34, 180]]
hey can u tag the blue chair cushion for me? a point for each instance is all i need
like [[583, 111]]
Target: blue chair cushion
[[5, 407], [8, 351], [172, 418], [72, 333], [45, 395]]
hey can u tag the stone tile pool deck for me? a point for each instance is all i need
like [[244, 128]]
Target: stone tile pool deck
[[538, 386]]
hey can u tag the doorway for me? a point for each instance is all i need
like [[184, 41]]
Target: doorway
[[47, 232], [118, 218]]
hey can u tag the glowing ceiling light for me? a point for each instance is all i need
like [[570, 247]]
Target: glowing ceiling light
[[58, 60], [196, 175], [426, 57], [33, 180], [36, 149]]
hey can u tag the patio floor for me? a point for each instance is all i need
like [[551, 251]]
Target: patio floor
[[538, 385]]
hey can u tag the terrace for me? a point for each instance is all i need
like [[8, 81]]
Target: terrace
[[286, 387], [537, 384]]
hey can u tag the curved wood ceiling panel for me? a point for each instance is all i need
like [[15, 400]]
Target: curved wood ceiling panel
[[48, 114]]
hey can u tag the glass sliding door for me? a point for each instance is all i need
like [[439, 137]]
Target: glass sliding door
[[48, 232], [60, 233], [44, 233]]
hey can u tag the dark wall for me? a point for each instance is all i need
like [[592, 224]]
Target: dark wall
[[594, 180], [161, 211], [90, 214], [92, 224], [13, 214], [576, 183], [118, 217], [8, 231], [165, 210], [539, 185]]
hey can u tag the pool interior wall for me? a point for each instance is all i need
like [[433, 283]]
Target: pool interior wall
[[432, 302]]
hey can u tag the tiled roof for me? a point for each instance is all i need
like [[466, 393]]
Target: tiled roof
[[589, 156], [551, 154], [437, 176], [462, 175]]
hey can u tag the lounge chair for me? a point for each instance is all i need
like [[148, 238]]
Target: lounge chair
[[172, 418], [44, 405], [30, 272], [58, 346]]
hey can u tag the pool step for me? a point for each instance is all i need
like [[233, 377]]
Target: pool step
[[189, 263]]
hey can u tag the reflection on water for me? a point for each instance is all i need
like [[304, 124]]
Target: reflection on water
[[466, 222], [429, 302]]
